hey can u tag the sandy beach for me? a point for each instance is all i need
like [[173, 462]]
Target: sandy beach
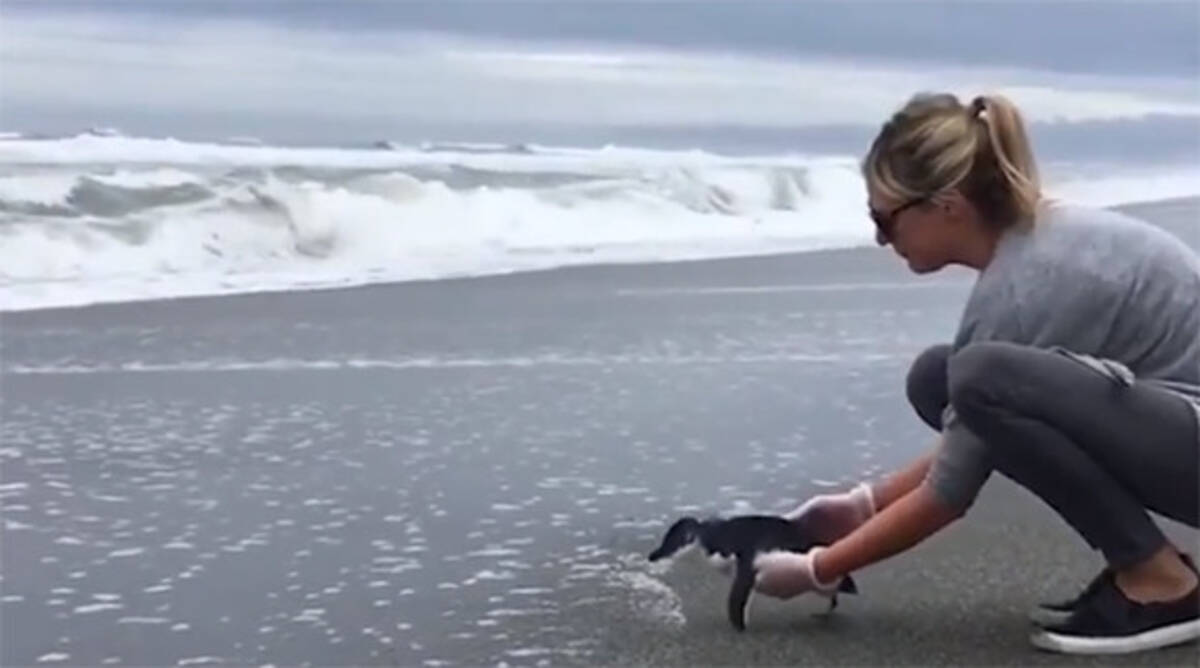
[[470, 472]]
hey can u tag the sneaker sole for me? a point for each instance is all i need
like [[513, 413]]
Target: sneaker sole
[[1165, 637]]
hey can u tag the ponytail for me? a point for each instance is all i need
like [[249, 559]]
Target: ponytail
[[1012, 150]]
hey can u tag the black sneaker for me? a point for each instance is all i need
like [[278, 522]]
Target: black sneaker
[[1058, 612], [1106, 622]]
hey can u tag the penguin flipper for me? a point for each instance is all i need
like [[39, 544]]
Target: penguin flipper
[[739, 592]]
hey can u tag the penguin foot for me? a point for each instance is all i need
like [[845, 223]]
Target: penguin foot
[[828, 612]]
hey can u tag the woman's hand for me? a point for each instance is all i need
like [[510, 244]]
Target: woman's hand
[[903, 524], [828, 517], [906, 522], [789, 574]]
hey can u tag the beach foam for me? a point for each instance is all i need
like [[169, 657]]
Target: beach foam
[[92, 218]]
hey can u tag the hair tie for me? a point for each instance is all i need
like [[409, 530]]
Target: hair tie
[[978, 106]]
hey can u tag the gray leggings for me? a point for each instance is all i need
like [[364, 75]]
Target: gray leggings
[[1099, 453]]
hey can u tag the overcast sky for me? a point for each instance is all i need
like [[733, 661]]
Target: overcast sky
[[472, 70]]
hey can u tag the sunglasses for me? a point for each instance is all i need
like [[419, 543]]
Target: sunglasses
[[885, 223]]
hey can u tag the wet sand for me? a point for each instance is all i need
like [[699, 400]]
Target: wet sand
[[469, 472]]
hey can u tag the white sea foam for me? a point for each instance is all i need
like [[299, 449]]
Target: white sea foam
[[96, 607], [1113, 185], [95, 218], [137, 240], [198, 660], [651, 598], [401, 364]]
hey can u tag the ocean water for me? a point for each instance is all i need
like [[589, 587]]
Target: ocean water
[[94, 219], [464, 473]]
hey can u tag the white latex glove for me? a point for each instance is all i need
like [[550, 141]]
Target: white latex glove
[[789, 574], [828, 517]]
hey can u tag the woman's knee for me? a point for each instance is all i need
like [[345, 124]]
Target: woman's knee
[[979, 375], [926, 384]]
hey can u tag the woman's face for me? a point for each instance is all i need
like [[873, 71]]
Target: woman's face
[[920, 230]]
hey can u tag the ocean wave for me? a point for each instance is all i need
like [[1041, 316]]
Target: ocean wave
[[92, 219], [82, 233]]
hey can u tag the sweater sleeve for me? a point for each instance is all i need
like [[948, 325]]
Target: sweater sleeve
[[961, 465]]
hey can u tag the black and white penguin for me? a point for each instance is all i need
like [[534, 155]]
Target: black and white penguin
[[741, 538]]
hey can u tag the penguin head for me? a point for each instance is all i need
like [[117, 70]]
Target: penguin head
[[682, 533]]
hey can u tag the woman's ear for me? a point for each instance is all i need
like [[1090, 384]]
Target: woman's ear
[[955, 206]]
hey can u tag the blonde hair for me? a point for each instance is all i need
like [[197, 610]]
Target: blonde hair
[[935, 143]]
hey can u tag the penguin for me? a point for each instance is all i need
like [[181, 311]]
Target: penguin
[[741, 538]]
